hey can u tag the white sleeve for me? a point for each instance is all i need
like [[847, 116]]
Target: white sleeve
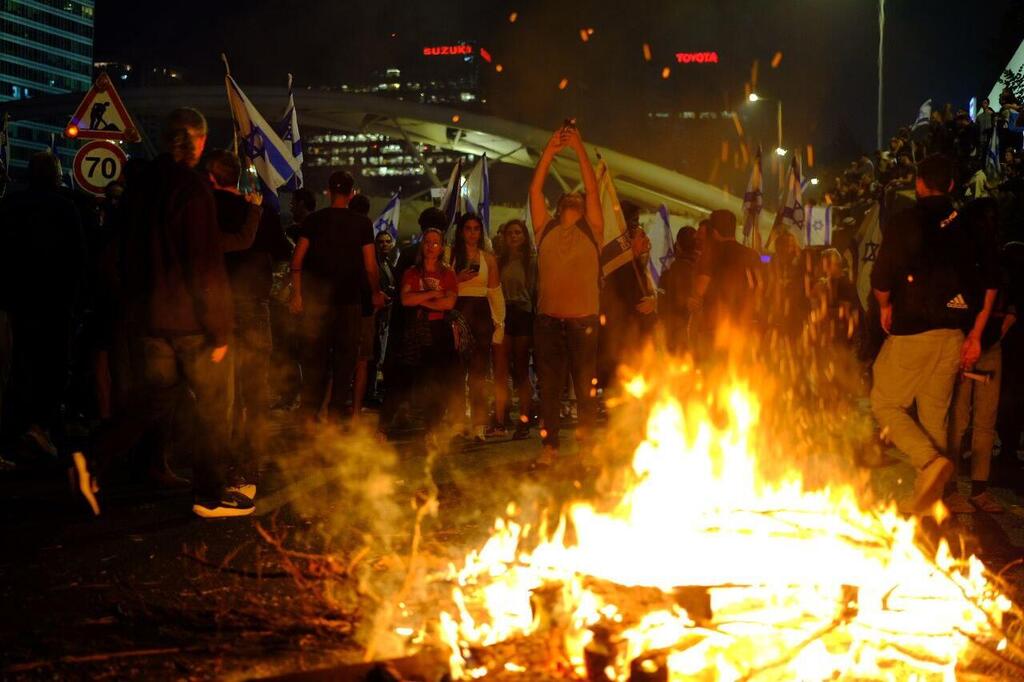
[[496, 299]]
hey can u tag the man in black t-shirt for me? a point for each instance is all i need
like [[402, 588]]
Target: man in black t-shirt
[[729, 282], [335, 256], [933, 280]]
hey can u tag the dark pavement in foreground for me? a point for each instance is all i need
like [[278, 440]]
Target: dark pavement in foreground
[[150, 591]]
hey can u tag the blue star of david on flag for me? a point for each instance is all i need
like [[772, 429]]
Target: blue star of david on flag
[[269, 154]]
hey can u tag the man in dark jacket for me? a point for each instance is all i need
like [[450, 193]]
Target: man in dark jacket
[[251, 273], [42, 267], [173, 268], [933, 281]]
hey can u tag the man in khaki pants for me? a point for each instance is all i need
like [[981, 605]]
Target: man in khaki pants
[[933, 279]]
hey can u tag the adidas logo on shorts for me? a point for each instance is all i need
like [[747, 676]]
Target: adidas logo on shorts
[[957, 303]]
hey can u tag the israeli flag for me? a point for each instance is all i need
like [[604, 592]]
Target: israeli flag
[[662, 245], [993, 168], [924, 114], [387, 221], [272, 157], [476, 193], [818, 226], [616, 250], [793, 202], [451, 204], [753, 202], [288, 130]]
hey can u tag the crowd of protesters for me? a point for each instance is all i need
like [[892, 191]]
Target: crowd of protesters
[[203, 314], [947, 288]]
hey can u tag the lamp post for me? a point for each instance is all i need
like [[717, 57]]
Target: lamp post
[[780, 151], [754, 98]]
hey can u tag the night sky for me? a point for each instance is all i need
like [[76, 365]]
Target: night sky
[[827, 79]]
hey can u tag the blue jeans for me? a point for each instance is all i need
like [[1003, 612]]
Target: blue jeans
[[565, 348]]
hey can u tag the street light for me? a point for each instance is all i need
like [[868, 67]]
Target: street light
[[780, 151], [814, 181], [752, 97]]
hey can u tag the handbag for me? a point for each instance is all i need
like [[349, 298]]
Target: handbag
[[463, 334]]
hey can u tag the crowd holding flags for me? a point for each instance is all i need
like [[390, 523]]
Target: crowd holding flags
[[753, 201]]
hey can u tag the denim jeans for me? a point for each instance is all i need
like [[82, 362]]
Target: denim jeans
[[564, 348], [171, 365]]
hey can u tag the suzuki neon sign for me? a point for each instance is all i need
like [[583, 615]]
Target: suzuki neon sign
[[697, 57], [439, 50]]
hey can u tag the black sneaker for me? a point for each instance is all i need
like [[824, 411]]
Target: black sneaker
[[231, 503], [82, 481]]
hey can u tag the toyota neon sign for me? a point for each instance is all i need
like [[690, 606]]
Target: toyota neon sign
[[697, 57]]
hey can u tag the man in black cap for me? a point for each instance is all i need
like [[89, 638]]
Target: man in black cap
[[729, 281], [334, 259]]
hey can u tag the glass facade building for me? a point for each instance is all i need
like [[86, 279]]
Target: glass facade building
[[45, 48]]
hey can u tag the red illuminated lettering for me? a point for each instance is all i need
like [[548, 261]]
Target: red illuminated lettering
[[439, 50], [697, 57]]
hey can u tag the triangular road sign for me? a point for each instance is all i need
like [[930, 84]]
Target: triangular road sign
[[102, 115]]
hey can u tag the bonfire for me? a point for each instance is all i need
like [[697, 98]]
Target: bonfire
[[696, 564]]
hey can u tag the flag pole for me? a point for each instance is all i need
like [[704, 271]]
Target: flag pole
[[234, 134], [881, 43]]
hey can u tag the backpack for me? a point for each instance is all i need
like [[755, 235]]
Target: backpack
[[943, 286]]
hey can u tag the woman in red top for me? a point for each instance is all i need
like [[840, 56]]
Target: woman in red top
[[429, 290]]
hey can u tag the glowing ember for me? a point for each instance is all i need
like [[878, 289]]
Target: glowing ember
[[701, 567]]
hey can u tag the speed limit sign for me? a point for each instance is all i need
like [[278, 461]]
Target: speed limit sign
[[97, 164]]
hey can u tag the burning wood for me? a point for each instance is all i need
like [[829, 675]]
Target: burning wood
[[702, 568]]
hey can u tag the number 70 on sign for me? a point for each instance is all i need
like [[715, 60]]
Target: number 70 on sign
[[97, 164]]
